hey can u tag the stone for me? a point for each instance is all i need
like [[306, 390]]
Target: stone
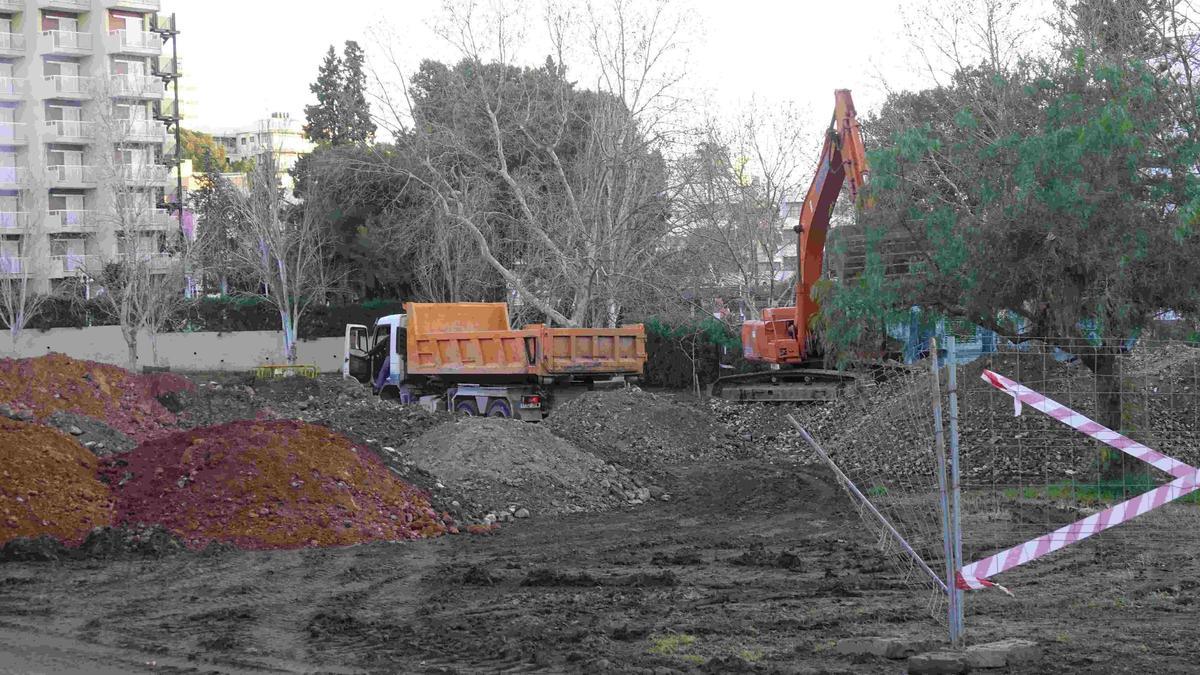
[[656, 492], [1010, 652], [522, 512], [74, 430], [98, 446], [888, 648], [937, 663], [643, 494]]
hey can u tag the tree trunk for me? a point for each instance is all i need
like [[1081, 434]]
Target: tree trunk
[[131, 341], [1108, 409]]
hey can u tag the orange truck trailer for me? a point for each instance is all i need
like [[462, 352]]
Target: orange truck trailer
[[466, 357]]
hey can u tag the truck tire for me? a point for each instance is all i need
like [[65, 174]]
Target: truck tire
[[467, 407], [499, 408]]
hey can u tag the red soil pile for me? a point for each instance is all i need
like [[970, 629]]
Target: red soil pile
[[48, 485], [265, 485], [123, 400]]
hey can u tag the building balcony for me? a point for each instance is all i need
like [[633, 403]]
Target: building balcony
[[165, 66], [13, 88], [13, 221], [66, 5], [163, 23], [13, 133], [12, 5], [158, 262], [136, 86], [71, 176], [71, 221], [141, 131], [66, 43], [134, 5], [13, 177], [166, 111], [72, 87], [68, 131], [70, 265], [160, 220], [140, 42], [12, 44], [144, 174], [12, 266]]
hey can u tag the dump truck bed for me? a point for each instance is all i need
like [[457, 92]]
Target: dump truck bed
[[454, 340]]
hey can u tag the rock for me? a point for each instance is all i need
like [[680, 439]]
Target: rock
[[98, 446], [1009, 652], [489, 519], [656, 492], [888, 648], [89, 444], [643, 494], [522, 512], [75, 431], [6, 411], [936, 663]]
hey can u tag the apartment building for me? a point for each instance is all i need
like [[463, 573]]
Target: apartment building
[[82, 135], [279, 134]]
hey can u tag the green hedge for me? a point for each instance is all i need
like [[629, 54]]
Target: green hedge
[[670, 349]]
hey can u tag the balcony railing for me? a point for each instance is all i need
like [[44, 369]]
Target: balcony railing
[[137, 85], [13, 175], [12, 86], [165, 66], [132, 130], [13, 220], [134, 5], [159, 219], [65, 4], [70, 264], [71, 221], [70, 130], [71, 174], [12, 5], [136, 41], [144, 173], [166, 110], [12, 133], [12, 42], [70, 85], [11, 265], [156, 261], [67, 41]]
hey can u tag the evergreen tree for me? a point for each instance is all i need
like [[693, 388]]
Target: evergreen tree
[[354, 112], [324, 123]]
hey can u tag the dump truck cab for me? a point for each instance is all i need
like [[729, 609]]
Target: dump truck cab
[[375, 356]]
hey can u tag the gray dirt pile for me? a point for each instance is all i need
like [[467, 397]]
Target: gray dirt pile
[[516, 468], [644, 431]]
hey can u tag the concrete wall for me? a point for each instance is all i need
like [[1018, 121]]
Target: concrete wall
[[242, 350]]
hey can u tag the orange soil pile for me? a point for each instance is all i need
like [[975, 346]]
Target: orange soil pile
[[48, 485], [124, 401], [266, 485]]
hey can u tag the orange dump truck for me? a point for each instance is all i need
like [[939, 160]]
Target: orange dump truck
[[467, 358]]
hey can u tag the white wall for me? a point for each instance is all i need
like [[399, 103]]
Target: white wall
[[242, 350]]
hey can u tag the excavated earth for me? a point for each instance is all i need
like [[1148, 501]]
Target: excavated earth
[[754, 562]]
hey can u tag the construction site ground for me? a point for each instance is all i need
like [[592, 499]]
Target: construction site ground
[[747, 557]]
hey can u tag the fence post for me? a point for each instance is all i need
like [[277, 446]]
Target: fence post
[[943, 492], [955, 508]]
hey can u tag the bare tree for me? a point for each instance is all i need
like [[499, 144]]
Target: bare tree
[[283, 248], [141, 274], [563, 190], [23, 274]]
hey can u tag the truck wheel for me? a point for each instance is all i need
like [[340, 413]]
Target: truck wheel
[[499, 408], [467, 407]]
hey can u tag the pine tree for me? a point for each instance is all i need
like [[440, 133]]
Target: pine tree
[[324, 123], [354, 112]]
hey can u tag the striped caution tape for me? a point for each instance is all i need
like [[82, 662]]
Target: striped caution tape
[[1187, 480]]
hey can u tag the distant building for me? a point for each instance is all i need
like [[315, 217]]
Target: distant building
[[279, 134]]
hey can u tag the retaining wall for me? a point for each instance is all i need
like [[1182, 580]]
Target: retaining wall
[[241, 350]]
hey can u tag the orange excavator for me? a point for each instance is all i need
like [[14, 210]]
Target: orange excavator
[[783, 338]]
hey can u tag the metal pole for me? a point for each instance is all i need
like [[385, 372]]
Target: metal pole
[[943, 492], [955, 508], [187, 282], [849, 484]]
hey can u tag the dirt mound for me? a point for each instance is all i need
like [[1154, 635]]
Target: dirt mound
[[639, 429], [508, 466], [48, 485], [95, 435], [102, 543], [39, 387], [268, 484]]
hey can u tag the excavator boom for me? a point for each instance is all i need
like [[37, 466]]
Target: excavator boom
[[783, 336]]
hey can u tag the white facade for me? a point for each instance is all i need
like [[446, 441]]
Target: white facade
[[278, 134], [81, 87]]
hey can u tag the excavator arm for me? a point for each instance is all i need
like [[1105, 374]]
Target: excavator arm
[[783, 337]]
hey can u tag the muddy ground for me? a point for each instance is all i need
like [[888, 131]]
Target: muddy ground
[[756, 563], [759, 568]]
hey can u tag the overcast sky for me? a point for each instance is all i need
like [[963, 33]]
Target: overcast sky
[[247, 58]]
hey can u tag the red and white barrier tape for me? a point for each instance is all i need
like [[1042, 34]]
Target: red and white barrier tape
[[1187, 480]]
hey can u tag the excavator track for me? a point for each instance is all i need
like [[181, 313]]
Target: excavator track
[[790, 385]]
